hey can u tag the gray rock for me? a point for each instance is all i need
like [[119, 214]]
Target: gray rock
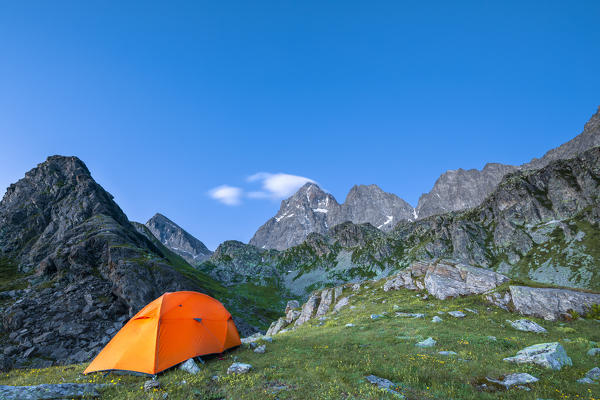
[[260, 349], [409, 315], [376, 316], [429, 342], [447, 353], [277, 326], [436, 319], [547, 355], [549, 303], [591, 377], [238, 368], [292, 315], [343, 302], [457, 314], [151, 384], [292, 304], [189, 366], [57, 391], [384, 384], [444, 280], [308, 309], [349, 325], [325, 303], [514, 379], [593, 352], [526, 325]]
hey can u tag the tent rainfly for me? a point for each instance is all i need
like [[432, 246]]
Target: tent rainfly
[[169, 330]]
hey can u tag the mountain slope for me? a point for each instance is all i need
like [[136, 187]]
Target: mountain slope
[[74, 268], [177, 239]]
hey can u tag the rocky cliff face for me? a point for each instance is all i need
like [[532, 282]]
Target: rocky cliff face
[[313, 210], [178, 240], [74, 268], [461, 189], [457, 190]]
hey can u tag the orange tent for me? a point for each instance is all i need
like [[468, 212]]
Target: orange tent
[[171, 329]]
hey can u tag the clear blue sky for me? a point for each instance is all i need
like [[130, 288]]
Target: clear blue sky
[[166, 102]]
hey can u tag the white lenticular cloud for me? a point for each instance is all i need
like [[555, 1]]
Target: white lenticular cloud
[[277, 186], [226, 194]]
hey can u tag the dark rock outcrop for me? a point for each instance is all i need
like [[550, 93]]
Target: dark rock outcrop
[[85, 267], [178, 240]]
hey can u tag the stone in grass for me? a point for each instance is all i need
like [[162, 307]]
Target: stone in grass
[[50, 391], [190, 367], [514, 379], [593, 352], [592, 376], [151, 385], [436, 319], [492, 338], [429, 342], [409, 315], [457, 314], [385, 384], [447, 353], [349, 325], [526, 325], [260, 349], [547, 355], [375, 316], [472, 310], [238, 368]]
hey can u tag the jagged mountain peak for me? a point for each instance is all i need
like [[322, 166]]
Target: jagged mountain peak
[[178, 239], [312, 210]]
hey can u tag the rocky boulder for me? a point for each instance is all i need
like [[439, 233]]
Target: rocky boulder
[[547, 355], [550, 303]]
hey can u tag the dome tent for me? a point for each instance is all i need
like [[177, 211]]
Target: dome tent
[[169, 330]]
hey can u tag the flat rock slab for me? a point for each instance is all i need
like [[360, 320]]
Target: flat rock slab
[[547, 355], [514, 379], [409, 315], [457, 314], [549, 303], [429, 342], [43, 392], [592, 376], [385, 384], [239, 368], [526, 325]]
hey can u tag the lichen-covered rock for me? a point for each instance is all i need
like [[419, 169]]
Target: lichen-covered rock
[[325, 303], [292, 315], [429, 342], [239, 368], [190, 367], [292, 304], [343, 302], [55, 391], [551, 304], [548, 355], [514, 379], [526, 325], [277, 326], [308, 309], [444, 280]]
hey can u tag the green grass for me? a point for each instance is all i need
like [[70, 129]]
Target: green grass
[[331, 361], [10, 278]]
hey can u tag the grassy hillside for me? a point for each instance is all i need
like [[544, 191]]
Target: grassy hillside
[[331, 361]]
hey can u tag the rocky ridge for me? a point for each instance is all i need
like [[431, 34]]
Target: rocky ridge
[[312, 210], [460, 189], [178, 240]]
